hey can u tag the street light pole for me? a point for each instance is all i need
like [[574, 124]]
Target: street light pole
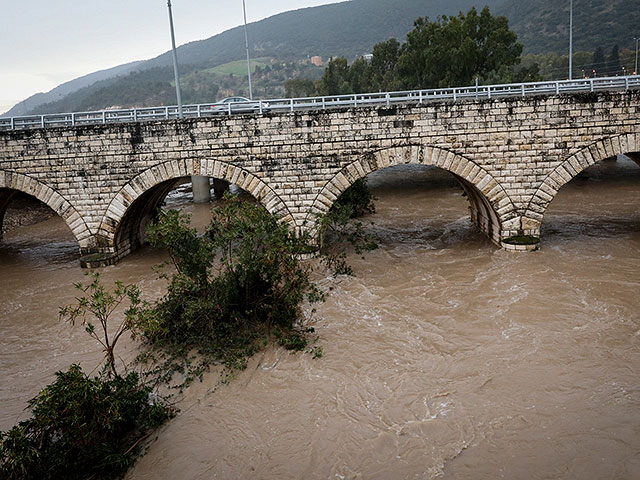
[[200, 186], [175, 61], [571, 40], [246, 41], [635, 71]]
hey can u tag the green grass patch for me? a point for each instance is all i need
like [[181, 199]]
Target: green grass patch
[[522, 240], [239, 67]]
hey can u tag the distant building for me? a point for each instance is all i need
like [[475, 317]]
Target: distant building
[[368, 56], [317, 60]]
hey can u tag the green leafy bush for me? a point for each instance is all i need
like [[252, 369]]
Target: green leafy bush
[[357, 199], [232, 287], [338, 226], [81, 428]]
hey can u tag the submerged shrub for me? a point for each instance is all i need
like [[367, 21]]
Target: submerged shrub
[[232, 286], [81, 428], [338, 226], [356, 199]]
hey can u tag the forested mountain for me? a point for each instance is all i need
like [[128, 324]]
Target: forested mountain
[[543, 25], [285, 41], [340, 29]]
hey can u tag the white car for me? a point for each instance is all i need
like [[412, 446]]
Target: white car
[[238, 105]]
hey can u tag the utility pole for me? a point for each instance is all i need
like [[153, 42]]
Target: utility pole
[[175, 60], [635, 71], [246, 41], [199, 184], [571, 40]]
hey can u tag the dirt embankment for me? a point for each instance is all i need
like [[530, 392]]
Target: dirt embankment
[[25, 210]]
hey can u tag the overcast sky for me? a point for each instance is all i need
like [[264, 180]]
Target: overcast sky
[[44, 43]]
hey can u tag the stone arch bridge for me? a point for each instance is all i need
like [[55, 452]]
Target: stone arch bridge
[[511, 156]]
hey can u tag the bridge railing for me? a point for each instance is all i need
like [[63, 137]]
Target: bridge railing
[[324, 103]]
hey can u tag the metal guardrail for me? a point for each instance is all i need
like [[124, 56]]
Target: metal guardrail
[[324, 103]]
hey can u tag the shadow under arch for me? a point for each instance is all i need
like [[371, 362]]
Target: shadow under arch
[[122, 227], [491, 208], [625, 144], [11, 182]]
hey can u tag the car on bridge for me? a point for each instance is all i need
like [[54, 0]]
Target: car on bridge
[[238, 105]]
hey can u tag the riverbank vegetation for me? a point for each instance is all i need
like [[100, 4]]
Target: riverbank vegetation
[[81, 427]]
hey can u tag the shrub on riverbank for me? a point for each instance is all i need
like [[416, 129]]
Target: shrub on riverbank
[[81, 427]]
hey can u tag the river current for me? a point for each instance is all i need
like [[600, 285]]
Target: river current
[[444, 357]]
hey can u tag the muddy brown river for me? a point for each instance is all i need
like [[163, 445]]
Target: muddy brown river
[[444, 357]]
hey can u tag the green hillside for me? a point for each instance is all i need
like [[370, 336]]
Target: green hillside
[[342, 29]]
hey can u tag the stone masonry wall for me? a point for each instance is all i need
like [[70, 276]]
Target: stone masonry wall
[[511, 155]]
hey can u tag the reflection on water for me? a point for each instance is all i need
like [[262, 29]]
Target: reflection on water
[[443, 357]]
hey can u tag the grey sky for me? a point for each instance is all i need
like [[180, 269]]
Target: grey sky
[[46, 42]]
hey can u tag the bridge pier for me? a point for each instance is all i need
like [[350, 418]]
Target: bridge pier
[[201, 189]]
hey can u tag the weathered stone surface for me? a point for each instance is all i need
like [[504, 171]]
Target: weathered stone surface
[[511, 156]]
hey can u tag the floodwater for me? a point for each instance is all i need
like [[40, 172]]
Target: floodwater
[[444, 357]]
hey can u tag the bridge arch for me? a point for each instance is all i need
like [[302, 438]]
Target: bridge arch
[[491, 208], [625, 144], [11, 182], [129, 212]]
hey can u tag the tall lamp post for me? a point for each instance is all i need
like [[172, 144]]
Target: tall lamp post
[[571, 40], [246, 42], [635, 70], [199, 184], [175, 60]]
